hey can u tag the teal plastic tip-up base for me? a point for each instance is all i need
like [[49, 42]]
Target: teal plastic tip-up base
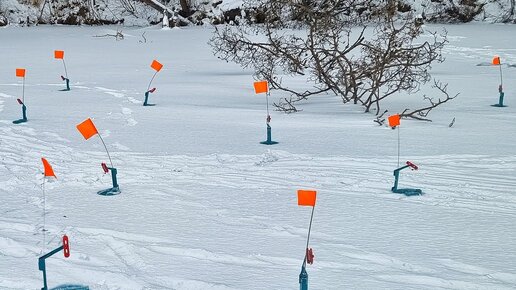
[[303, 279], [71, 287], [110, 191], [67, 84], [269, 137], [408, 191], [24, 114], [146, 102], [269, 142], [19, 121], [500, 100]]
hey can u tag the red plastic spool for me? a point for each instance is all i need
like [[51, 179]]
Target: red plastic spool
[[66, 246], [412, 165], [104, 167], [19, 101], [152, 90], [309, 256]]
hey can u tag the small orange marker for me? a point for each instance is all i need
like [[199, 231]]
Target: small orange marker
[[261, 87], [20, 72]]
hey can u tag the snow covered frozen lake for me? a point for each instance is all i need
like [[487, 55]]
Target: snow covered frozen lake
[[205, 206]]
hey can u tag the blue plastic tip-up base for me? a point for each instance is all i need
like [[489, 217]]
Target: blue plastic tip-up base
[[110, 191], [408, 191], [147, 105], [71, 287], [498, 105]]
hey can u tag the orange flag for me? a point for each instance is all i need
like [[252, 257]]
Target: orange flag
[[48, 168], [156, 65], [59, 54], [306, 197], [394, 120], [20, 72], [87, 128], [496, 60], [261, 87]]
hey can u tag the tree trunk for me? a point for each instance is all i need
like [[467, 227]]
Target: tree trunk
[[184, 6]]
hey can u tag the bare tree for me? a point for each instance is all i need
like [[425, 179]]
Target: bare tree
[[422, 113], [351, 48]]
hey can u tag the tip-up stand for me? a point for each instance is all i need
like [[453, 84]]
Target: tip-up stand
[[67, 84], [500, 99], [115, 189], [65, 247], [303, 279], [269, 136], [145, 103], [24, 113], [405, 191]]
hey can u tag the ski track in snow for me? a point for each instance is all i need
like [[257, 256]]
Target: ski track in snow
[[448, 182]]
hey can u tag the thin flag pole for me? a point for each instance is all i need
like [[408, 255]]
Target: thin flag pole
[[44, 215], [398, 146], [66, 72], [267, 100], [105, 147], [501, 75], [308, 238], [150, 83], [23, 90]]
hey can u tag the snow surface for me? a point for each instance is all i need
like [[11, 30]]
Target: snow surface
[[205, 206]]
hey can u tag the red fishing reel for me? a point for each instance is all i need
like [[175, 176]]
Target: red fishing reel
[[412, 165], [104, 167], [309, 256], [66, 246], [19, 101], [152, 90]]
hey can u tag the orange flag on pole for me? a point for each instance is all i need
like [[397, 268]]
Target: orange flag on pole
[[496, 60], [20, 72], [87, 129], [394, 120], [49, 172], [306, 197], [59, 54], [156, 65], [261, 87]]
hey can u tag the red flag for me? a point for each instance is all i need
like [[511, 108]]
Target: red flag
[[87, 128], [306, 197], [49, 172]]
